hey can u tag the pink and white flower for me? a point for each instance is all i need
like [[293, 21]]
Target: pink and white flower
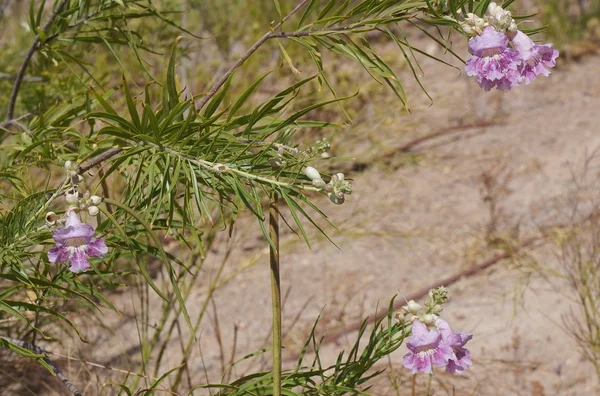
[[426, 350], [75, 243], [462, 357]]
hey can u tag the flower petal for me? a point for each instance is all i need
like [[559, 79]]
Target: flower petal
[[97, 248], [58, 254], [79, 261], [421, 337], [523, 44], [442, 355], [66, 235], [418, 362], [488, 43]]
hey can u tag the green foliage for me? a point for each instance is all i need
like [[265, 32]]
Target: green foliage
[[568, 21], [349, 375]]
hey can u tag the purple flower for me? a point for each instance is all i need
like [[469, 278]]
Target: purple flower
[[493, 62], [426, 349], [462, 357], [537, 59], [74, 243]]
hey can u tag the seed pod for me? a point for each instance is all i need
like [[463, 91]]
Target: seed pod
[[51, 218]]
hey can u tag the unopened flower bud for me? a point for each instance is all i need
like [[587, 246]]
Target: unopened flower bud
[[340, 176], [412, 307], [312, 173], [319, 183], [72, 198], [76, 179], [429, 319], [95, 199], [93, 210], [68, 165], [325, 155], [436, 309]]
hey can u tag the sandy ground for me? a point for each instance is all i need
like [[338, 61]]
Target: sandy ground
[[407, 227], [418, 218]]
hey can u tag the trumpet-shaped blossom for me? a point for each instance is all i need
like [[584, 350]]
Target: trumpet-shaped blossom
[[505, 58], [75, 243], [462, 357], [426, 349], [493, 62], [536, 59]]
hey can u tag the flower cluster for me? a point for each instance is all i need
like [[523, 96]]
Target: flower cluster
[[75, 241], [336, 189], [504, 57], [432, 341]]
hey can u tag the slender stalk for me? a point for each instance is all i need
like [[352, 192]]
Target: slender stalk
[[21, 73], [429, 385], [275, 291]]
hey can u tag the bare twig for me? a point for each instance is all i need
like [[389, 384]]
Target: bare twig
[[42, 351], [89, 164], [21, 73], [247, 55], [14, 121]]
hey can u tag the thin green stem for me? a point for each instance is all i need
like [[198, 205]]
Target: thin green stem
[[429, 384], [275, 291]]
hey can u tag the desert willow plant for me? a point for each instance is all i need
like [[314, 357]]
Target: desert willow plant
[[131, 155]]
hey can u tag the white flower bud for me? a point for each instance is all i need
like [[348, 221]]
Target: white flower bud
[[319, 183], [429, 319], [68, 165], [72, 198], [95, 199], [340, 176], [312, 173], [413, 307], [493, 8], [93, 210], [325, 155]]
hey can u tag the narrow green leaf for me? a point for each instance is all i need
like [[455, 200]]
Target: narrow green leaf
[[135, 118]]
